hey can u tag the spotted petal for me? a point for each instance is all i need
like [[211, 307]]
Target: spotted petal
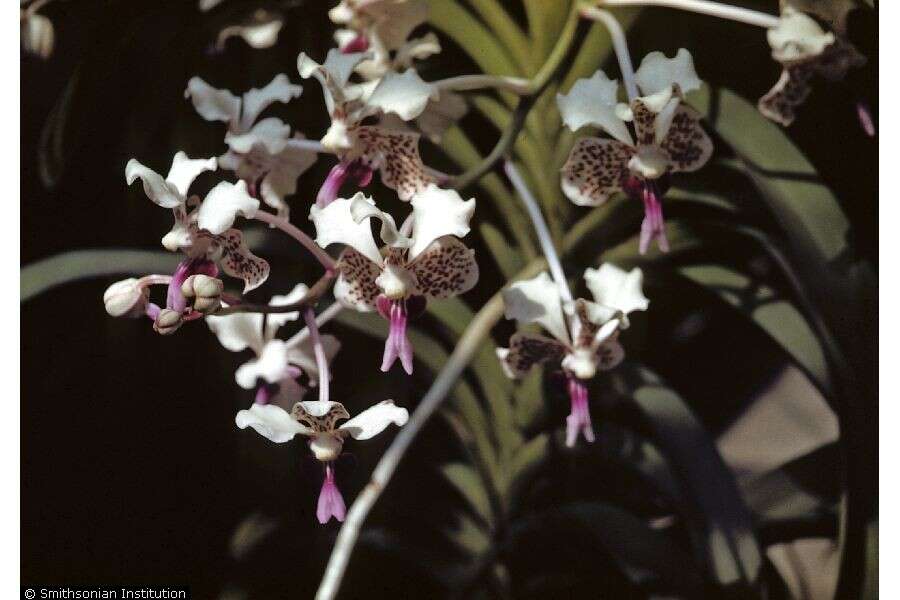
[[272, 422], [437, 213], [335, 225], [404, 95], [356, 285], [658, 73], [617, 288], [537, 300], [213, 104], [280, 89], [445, 268], [223, 204], [527, 350], [594, 170], [319, 416], [593, 102], [271, 365], [789, 92], [396, 154], [239, 262], [374, 420], [686, 143]]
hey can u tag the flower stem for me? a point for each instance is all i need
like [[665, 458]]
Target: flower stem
[[537, 86], [310, 299], [705, 7], [148, 280], [540, 227], [323, 317], [620, 45], [309, 315], [310, 145], [465, 83], [305, 240]]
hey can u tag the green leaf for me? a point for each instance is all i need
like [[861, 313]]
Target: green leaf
[[470, 485], [513, 39], [468, 535]]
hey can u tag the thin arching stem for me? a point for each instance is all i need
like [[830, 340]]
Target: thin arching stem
[[309, 315], [464, 83], [620, 45], [322, 318], [307, 242], [540, 228], [705, 7]]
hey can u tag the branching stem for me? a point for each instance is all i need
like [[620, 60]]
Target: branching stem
[[294, 232], [713, 9]]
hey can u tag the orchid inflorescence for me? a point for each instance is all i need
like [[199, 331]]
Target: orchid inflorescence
[[379, 108]]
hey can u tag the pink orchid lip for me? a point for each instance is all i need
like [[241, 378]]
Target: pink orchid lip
[[650, 192], [331, 502], [339, 175], [175, 300], [579, 419], [397, 344], [358, 44], [264, 394]]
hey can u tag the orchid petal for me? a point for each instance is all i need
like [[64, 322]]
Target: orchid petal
[[238, 261], [797, 37], [270, 133], [281, 180], [258, 33], [618, 289], [537, 300], [319, 416], [160, 191], [271, 422], [223, 204], [396, 154], [527, 350], [184, 170], [238, 331], [335, 225], [356, 285], [436, 213], [593, 102], [394, 21], [405, 95], [658, 72], [686, 142], [270, 366], [361, 209], [280, 89], [594, 170], [445, 268], [213, 104], [374, 420], [277, 320]]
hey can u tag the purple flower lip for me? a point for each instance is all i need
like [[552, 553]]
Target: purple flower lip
[[358, 44], [579, 419], [340, 174], [397, 344], [653, 227], [331, 502]]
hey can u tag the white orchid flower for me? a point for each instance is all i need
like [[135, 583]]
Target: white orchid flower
[[584, 333], [205, 234], [655, 135], [317, 420], [398, 280], [277, 363], [259, 151], [804, 50], [366, 148]]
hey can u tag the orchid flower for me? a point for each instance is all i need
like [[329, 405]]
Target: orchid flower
[[804, 50], [656, 134], [398, 280], [259, 150], [584, 333], [278, 363], [205, 235], [317, 420], [363, 149]]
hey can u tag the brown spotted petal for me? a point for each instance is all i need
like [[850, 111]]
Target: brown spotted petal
[[239, 262], [594, 170], [527, 350], [355, 286], [321, 417], [781, 102], [644, 121], [445, 268], [686, 143], [396, 154]]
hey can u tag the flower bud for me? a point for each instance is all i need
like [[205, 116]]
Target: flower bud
[[205, 291], [167, 322], [126, 299]]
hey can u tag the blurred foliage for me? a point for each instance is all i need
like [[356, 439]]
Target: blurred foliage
[[764, 306]]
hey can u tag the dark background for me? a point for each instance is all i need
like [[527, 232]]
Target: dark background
[[132, 468]]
